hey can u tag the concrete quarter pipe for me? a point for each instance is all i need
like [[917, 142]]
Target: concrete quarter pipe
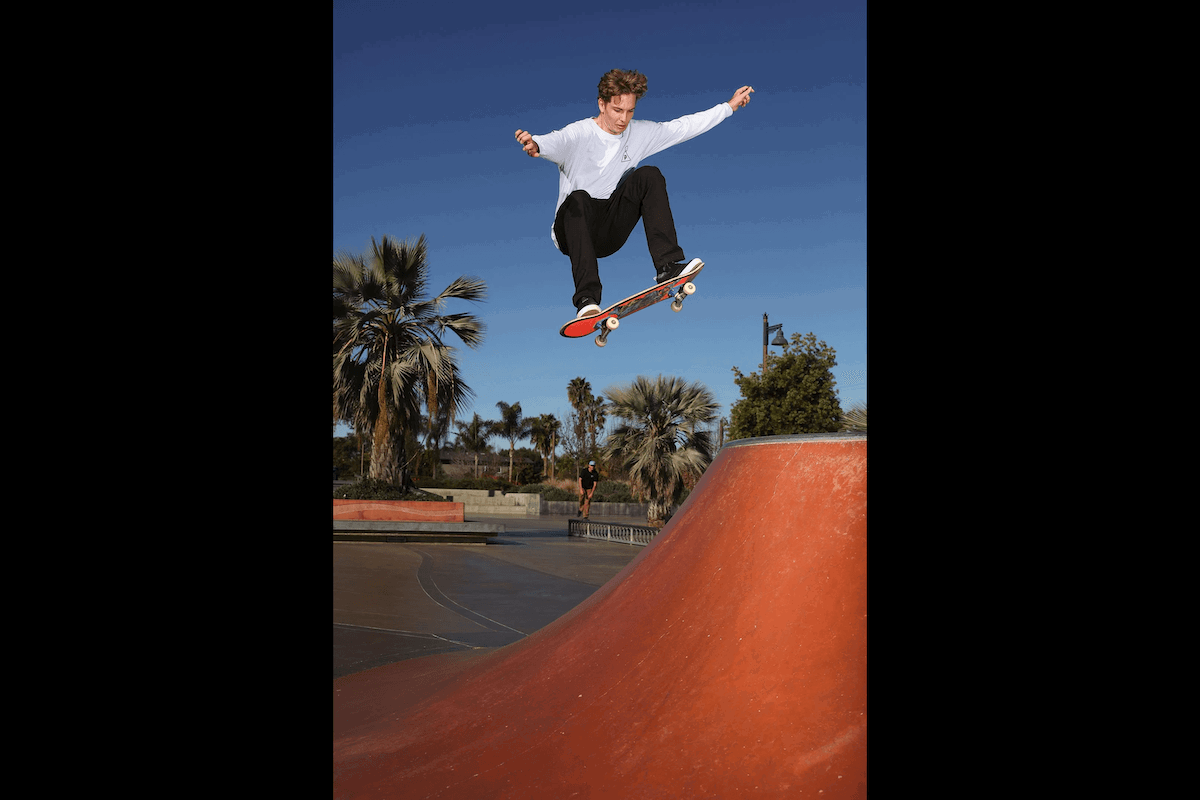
[[728, 659]]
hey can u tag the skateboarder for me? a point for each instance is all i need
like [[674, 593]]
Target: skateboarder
[[588, 479], [601, 190]]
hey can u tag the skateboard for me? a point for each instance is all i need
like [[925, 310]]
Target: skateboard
[[607, 321]]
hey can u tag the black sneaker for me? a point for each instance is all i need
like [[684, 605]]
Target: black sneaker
[[673, 271]]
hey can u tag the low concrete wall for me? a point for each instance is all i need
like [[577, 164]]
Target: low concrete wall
[[345, 530], [571, 508], [397, 510], [492, 502]]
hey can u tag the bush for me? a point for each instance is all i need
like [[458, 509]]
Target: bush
[[613, 492], [606, 492], [550, 493], [494, 484], [528, 473], [375, 489]]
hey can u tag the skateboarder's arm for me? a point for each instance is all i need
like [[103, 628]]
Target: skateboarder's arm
[[555, 146], [546, 145], [661, 135], [525, 139], [668, 134], [741, 97]]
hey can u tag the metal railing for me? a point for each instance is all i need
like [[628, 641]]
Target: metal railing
[[639, 535]]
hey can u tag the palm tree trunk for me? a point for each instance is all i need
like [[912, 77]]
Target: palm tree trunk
[[388, 454], [658, 512], [384, 456]]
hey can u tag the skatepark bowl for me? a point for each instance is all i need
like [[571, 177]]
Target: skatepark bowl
[[729, 658]]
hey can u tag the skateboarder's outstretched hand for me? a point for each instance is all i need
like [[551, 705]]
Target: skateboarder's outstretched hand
[[740, 98], [525, 139]]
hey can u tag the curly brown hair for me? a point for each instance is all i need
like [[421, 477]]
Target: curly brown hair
[[622, 81]]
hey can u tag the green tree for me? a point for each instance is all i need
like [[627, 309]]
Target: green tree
[[657, 439], [512, 426], [544, 433], [347, 454], [526, 469], [390, 357], [473, 437], [795, 395]]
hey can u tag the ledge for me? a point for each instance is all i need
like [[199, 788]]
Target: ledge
[[398, 510], [403, 531]]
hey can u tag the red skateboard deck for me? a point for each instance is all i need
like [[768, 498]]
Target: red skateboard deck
[[608, 320]]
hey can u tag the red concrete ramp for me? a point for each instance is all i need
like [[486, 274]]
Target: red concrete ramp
[[728, 659]]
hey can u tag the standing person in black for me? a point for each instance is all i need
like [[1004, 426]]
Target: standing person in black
[[587, 487]]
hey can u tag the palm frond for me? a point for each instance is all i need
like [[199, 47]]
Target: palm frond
[[469, 328], [855, 418], [464, 288]]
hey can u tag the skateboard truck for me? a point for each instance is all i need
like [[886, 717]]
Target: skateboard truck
[[681, 295], [606, 327]]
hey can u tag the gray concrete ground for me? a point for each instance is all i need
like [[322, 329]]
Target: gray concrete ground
[[393, 602]]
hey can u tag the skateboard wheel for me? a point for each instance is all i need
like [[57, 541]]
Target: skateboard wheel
[[600, 341], [689, 288], [611, 323], [677, 306]]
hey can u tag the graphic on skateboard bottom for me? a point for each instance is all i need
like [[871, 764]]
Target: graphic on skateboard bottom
[[608, 320]]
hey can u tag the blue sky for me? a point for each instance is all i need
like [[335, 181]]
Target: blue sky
[[774, 199]]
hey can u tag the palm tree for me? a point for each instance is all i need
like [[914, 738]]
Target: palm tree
[[579, 394], [545, 438], [590, 414], [473, 437], [578, 390], [855, 418], [596, 414], [435, 432], [512, 427], [657, 439], [389, 353]]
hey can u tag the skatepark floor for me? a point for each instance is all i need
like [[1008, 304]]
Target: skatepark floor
[[393, 602]]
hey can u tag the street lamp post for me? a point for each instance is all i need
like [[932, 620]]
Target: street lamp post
[[779, 341]]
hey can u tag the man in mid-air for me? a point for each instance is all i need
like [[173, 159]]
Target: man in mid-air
[[602, 193]]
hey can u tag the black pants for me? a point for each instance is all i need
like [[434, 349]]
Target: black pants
[[588, 229]]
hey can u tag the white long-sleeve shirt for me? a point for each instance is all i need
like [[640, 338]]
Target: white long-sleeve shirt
[[594, 160]]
